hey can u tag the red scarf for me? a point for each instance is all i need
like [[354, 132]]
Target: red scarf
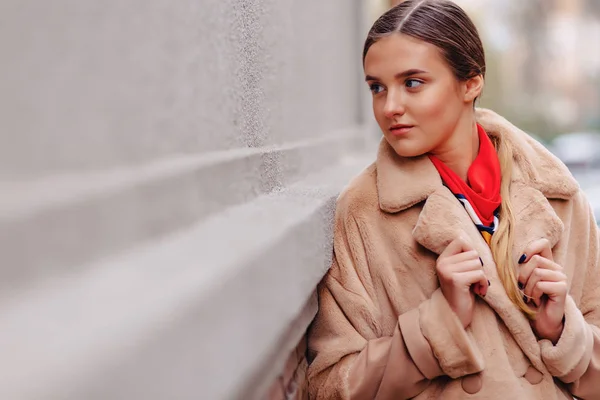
[[483, 188]]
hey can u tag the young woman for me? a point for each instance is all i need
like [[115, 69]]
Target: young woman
[[466, 259]]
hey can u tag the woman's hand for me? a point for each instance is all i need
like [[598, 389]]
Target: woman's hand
[[545, 286], [459, 270]]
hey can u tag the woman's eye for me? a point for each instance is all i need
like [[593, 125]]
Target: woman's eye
[[413, 83], [376, 88]]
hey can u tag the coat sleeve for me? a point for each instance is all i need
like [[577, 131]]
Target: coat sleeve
[[352, 359], [575, 359]]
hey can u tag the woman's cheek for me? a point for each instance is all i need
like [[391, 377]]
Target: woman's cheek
[[433, 104]]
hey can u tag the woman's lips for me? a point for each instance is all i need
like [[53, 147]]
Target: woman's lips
[[400, 130]]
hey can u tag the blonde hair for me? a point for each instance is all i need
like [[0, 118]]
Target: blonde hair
[[503, 238]]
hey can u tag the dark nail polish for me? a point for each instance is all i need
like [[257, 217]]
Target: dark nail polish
[[481, 261], [522, 259], [520, 285], [525, 299], [489, 283]]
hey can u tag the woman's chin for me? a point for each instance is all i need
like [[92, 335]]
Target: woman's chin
[[407, 151]]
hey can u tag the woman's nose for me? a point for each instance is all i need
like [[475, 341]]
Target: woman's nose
[[394, 105]]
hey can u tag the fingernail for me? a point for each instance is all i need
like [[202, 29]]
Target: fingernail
[[522, 259], [520, 285], [525, 299], [489, 283], [481, 261]]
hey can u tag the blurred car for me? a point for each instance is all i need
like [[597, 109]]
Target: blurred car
[[578, 150], [593, 196]]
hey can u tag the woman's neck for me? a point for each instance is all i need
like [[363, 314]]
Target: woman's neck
[[462, 149]]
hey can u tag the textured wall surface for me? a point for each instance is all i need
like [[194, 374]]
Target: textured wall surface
[[168, 175]]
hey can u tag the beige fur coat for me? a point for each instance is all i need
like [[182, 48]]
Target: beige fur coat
[[385, 331]]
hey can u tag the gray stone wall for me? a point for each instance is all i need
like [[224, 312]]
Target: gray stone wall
[[168, 175]]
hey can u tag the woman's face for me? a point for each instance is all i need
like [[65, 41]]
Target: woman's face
[[417, 101]]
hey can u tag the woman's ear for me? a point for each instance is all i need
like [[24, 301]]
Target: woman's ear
[[473, 88]]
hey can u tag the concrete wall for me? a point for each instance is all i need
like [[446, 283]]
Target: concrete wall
[[168, 172]]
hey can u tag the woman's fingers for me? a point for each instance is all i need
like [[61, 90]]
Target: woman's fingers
[[554, 290], [457, 246], [465, 266], [447, 270], [460, 273], [464, 256], [535, 262], [534, 291], [541, 247], [469, 278], [480, 290]]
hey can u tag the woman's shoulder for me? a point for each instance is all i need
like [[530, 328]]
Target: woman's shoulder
[[360, 196], [522, 143], [537, 165]]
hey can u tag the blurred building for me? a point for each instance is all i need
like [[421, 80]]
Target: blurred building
[[547, 69]]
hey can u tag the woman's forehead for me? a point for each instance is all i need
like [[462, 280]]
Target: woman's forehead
[[398, 52]]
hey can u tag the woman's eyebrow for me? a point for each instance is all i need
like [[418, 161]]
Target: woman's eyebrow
[[405, 74]]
